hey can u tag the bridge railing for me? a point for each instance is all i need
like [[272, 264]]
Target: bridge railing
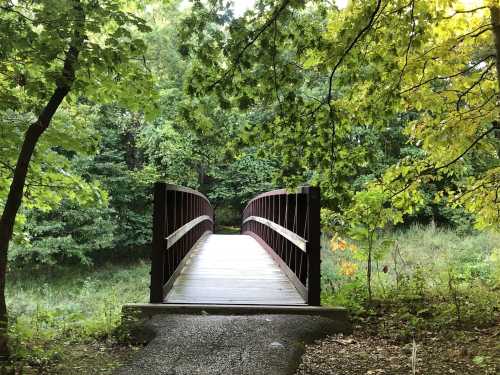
[[181, 216], [287, 225]]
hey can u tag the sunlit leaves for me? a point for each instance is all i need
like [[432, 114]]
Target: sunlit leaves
[[35, 38], [410, 97]]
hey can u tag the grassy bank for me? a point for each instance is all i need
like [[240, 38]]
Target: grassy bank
[[435, 306], [426, 275], [63, 321]]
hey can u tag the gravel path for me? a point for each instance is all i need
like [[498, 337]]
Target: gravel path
[[207, 344]]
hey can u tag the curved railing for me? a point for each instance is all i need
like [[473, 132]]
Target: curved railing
[[181, 216], [287, 225]]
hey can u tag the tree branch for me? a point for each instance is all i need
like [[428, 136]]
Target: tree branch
[[252, 40], [356, 39], [350, 47], [468, 90], [465, 11], [420, 84], [410, 42], [496, 126]]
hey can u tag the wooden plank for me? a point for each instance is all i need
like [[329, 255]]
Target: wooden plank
[[218, 283], [237, 283], [283, 266], [179, 233], [230, 301], [232, 269], [235, 293], [232, 276], [288, 234], [168, 285]]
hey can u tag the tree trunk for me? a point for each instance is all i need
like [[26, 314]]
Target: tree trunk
[[16, 190], [369, 268], [495, 21]]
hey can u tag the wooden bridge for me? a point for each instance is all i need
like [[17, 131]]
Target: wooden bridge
[[274, 261]]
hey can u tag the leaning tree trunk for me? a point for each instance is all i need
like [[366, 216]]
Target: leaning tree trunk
[[16, 190]]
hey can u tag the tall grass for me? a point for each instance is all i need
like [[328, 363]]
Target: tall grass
[[48, 310], [434, 272]]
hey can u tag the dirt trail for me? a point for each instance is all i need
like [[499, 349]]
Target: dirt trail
[[458, 352]]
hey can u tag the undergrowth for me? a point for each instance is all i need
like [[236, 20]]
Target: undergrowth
[[424, 277], [428, 278], [51, 311]]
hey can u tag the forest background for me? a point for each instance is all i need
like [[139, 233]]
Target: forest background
[[391, 107]]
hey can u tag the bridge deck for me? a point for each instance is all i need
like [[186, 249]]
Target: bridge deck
[[232, 269]]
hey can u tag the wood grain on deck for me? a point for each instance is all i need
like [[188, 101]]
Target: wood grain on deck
[[232, 269]]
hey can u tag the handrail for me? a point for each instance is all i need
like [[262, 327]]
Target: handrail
[[287, 224], [186, 190], [177, 235], [294, 238], [298, 190], [181, 216]]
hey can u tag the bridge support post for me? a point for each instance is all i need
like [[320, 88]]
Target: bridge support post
[[313, 248], [158, 246]]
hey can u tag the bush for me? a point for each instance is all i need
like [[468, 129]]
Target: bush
[[227, 216], [429, 272]]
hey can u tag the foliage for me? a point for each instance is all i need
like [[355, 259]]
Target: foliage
[[74, 305], [112, 155], [67, 234], [82, 230], [52, 176], [34, 36], [241, 179], [50, 49], [332, 82], [120, 167], [431, 276]]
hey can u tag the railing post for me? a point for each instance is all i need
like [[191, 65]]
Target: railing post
[[158, 246], [313, 246]]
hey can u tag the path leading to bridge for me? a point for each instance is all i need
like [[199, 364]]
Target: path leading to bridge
[[228, 345], [233, 304]]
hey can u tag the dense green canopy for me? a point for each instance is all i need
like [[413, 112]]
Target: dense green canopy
[[400, 93]]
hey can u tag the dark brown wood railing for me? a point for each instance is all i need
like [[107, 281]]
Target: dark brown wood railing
[[287, 225], [181, 216]]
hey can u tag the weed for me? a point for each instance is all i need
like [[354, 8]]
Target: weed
[[431, 276], [51, 312]]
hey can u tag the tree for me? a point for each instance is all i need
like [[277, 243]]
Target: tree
[[321, 74], [49, 50], [237, 181]]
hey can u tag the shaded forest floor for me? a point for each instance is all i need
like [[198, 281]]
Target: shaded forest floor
[[376, 347], [88, 357]]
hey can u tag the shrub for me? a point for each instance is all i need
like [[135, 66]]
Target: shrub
[[433, 273]]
